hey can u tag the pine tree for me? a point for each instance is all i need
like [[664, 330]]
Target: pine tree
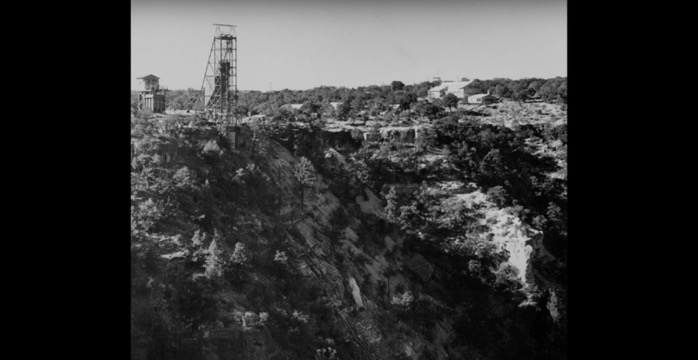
[[213, 264], [304, 173], [392, 208]]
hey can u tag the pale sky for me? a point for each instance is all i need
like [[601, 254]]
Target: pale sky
[[302, 44]]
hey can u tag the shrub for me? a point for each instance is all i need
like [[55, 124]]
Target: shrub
[[144, 114], [403, 301], [184, 179], [327, 353], [281, 257], [498, 195], [506, 277], [300, 316], [146, 215], [239, 255], [552, 306], [263, 317], [211, 147]]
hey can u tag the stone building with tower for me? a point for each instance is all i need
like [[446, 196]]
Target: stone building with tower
[[152, 97]]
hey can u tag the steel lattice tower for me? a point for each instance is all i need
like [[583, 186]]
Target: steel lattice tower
[[219, 89]]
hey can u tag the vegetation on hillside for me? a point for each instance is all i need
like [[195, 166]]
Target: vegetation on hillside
[[375, 99], [262, 240]]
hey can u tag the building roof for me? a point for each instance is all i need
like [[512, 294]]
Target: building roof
[[478, 96], [438, 88], [293, 106], [148, 77], [451, 85], [455, 85]]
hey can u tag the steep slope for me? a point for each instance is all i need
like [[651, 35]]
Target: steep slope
[[239, 255]]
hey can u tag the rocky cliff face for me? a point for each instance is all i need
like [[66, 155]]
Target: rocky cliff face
[[332, 273]]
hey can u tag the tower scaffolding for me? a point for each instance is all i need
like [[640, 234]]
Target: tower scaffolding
[[219, 89]]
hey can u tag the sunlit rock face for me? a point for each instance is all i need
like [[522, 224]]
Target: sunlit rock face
[[504, 226], [512, 235], [356, 293]]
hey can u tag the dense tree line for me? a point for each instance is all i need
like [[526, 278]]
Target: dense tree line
[[188, 99], [379, 98], [550, 90], [372, 100]]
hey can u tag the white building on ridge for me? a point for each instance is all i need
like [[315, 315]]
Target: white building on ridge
[[449, 87]]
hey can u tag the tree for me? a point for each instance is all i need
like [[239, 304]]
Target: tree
[[134, 102], [507, 277], [502, 91], [345, 108], [304, 173], [242, 110], [239, 255], [492, 166], [562, 92], [407, 100], [392, 207], [283, 115], [520, 90], [554, 89], [311, 109], [498, 195], [358, 104], [339, 220], [429, 110], [534, 86], [450, 101], [213, 265], [397, 85]]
